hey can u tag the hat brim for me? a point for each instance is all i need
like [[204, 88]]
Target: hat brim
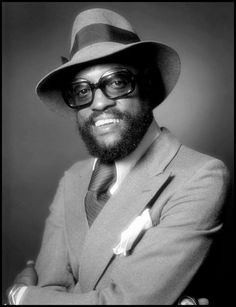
[[166, 59]]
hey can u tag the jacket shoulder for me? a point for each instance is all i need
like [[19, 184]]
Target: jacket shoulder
[[79, 167], [190, 159]]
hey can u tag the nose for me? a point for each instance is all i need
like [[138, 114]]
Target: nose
[[101, 102]]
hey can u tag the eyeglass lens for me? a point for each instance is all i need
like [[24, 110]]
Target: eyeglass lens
[[113, 85]]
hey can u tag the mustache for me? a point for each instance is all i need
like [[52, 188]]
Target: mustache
[[115, 113]]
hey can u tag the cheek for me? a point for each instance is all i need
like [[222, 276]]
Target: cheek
[[82, 116], [132, 106]]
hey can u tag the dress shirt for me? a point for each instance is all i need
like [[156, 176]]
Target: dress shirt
[[124, 166]]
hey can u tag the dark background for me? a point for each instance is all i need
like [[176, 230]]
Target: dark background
[[37, 145]]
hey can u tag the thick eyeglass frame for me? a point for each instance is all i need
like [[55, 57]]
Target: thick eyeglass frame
[[101, 84]]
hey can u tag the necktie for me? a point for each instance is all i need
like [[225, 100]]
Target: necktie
[[102, 178]]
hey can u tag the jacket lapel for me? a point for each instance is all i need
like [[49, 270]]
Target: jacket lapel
[[139, 187], [76, 186]]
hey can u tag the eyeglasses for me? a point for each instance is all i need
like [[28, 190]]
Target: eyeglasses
[[114, 84]]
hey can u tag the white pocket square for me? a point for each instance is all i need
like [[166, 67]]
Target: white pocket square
[[128, 236]]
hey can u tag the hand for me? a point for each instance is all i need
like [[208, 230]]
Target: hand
[[28, 277], [203, 301], [189, 300]]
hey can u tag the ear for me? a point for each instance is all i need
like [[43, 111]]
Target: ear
[[147, 78], [147, 81], [152, 85]]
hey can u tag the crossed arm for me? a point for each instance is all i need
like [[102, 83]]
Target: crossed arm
[[187, 238], [29, 277]]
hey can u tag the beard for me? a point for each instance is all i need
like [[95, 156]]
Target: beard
[[135, 128]]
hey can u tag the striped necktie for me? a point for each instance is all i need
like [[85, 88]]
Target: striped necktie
[[102, 178]]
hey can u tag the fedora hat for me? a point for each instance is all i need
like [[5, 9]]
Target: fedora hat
[[99, 34]]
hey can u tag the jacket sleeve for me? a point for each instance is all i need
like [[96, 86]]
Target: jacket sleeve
[[169, 254]]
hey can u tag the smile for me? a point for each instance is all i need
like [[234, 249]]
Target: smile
[[108, 121]]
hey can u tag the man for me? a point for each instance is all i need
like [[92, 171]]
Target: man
[[134, 223]]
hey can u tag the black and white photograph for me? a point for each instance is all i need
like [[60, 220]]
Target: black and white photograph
[[118, 153]]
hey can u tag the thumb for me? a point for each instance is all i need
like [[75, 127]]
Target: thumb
[[28, 276], [30, 263]]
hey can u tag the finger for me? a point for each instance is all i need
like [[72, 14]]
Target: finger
[[8, 290], [203, 301], [28, 276], [30, 263], [187, 300]]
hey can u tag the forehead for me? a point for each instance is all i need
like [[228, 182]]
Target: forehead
[[94, 72]]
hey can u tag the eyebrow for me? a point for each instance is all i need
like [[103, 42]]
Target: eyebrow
[[110, 70]]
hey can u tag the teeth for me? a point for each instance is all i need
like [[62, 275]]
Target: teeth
[[103, 122]]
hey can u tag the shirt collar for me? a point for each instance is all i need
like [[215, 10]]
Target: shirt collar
[[124, 166]]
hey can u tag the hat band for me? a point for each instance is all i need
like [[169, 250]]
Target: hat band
[[97, 33]]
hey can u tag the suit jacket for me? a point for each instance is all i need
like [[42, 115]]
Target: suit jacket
[[185, 191]]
